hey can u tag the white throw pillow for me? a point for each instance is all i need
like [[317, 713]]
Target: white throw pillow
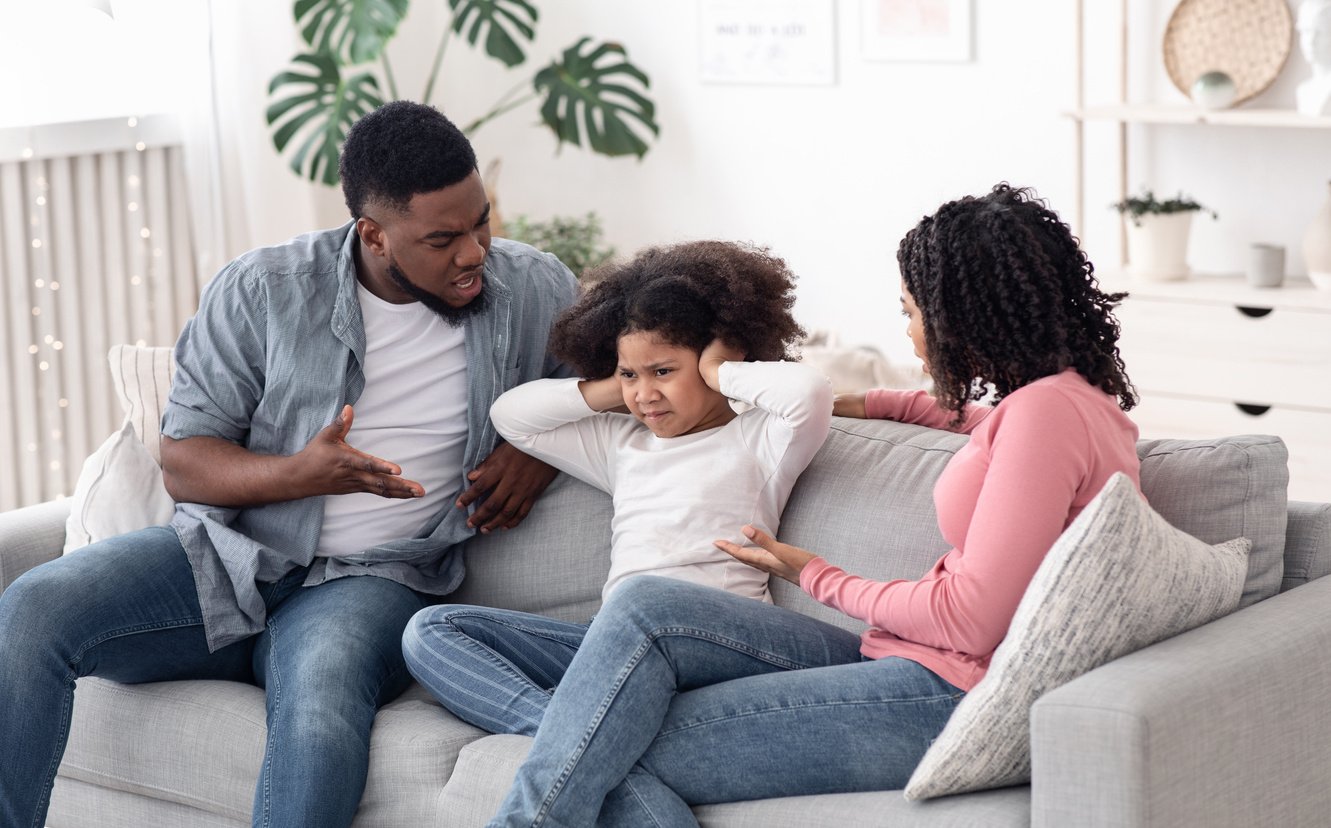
[[1119, 578], [120, 487], [141, 377], [120, 490]]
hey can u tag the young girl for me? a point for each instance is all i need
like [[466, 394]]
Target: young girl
[[665, 337], [681, 696]]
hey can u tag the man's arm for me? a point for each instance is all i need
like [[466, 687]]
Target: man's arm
[[220, 473]]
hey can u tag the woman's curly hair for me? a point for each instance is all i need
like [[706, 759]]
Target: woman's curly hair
[[1006, 297], [688, 294]]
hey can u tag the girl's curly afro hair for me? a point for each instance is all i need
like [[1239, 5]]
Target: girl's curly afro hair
[[1007, 297], [688, 294]]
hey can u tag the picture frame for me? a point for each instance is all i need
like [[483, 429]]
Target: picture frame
[[780, 42], [916, 30]]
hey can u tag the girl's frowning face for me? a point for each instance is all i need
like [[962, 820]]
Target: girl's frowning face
[[663, 388]]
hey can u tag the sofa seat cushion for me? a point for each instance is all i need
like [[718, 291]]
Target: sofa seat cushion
[[486, 768], [200, 744]]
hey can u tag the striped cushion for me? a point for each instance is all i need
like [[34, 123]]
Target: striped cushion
[[120, 487]]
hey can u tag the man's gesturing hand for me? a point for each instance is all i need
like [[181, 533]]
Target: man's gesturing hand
[[328, 465], [506, 483]]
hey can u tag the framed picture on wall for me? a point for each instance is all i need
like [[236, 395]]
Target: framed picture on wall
[[767, 41], [916, 30]]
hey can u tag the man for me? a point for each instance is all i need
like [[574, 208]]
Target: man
[[300, 549]]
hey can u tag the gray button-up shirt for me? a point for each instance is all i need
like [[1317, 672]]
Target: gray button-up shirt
[[273, 354]]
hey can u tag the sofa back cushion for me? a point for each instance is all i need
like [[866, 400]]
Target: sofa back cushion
[[554, 563], [1225, 488], [866, 504]]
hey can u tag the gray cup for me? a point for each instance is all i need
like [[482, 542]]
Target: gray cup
[[1266, 265]]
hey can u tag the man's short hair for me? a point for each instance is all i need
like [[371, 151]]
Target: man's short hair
[[400, 150]]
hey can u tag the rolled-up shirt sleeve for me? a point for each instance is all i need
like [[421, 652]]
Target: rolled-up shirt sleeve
[[220, 362]]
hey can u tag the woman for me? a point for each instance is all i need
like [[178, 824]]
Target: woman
[[682, 695]]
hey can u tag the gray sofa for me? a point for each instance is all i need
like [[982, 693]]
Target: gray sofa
[[1226, 725]]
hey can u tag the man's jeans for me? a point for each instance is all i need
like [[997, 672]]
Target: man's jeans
[[492, 668], [683, 695], [126, 609]]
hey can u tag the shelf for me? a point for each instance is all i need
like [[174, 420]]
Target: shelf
[[1184, 114], [1229, 289]]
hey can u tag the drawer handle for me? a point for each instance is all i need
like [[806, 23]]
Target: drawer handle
[[1252, 409], [1255, 313]]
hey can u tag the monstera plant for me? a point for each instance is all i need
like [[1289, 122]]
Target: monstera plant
[[593, 96]]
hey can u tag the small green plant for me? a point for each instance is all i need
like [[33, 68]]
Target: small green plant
[[1134, 207], [575, 241]]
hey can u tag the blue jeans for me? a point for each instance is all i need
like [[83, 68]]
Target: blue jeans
[[126, 609], [492, 668], [683, 695]]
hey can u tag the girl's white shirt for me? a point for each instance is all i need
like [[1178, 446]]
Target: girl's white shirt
[[674, 496]]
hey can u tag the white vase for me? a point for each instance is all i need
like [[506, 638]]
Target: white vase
[[1317, 246], [1158, 246]]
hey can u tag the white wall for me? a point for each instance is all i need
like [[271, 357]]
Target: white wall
[[831, 177]]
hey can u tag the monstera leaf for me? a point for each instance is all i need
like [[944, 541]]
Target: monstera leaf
[[582, 95], [353, 30], [322, 107], [499, 15]]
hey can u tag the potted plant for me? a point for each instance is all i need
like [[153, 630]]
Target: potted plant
[[1157, 234], [591, 95], [575, 241]]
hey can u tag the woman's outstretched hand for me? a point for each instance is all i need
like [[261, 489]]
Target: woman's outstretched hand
[[849, 405], [771, 556]]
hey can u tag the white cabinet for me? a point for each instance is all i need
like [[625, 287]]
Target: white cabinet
[[1211, 356]]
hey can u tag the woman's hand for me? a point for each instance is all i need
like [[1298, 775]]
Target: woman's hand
[[709, 361], [771, 556], [849, 405]]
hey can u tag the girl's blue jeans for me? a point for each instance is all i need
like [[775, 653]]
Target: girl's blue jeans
[[683, 695], [126, 609], [492, 668]]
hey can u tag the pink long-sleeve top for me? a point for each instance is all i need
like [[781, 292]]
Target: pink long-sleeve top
[[1032, 464]]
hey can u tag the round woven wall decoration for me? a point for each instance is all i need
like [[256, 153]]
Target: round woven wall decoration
[[1249, 40]]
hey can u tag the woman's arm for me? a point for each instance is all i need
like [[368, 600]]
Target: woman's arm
[[1038, 458], [916, 408]]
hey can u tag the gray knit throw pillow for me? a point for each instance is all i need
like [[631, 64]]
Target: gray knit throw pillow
[[1119, 578]]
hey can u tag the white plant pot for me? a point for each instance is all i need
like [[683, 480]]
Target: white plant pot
[[1158, 246]]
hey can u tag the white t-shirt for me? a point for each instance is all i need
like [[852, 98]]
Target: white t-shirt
[[673, 496], [413, 412]]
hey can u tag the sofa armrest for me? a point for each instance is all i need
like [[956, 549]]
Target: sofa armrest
[[1225, 725], [30, 536]]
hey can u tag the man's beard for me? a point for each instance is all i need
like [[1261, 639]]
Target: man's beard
[[453, 316]]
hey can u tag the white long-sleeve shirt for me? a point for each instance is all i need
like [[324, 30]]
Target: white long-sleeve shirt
[[673, 496]]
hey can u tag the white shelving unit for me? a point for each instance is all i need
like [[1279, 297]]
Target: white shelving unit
[[1209, 355]]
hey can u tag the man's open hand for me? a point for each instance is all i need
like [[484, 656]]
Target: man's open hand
[[506, 484], [329, 465]]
